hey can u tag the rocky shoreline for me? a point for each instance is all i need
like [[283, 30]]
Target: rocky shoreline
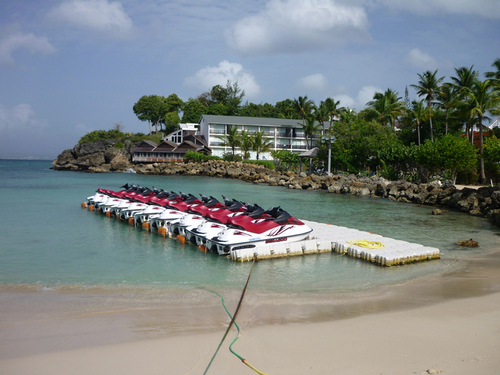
[[102, 157]]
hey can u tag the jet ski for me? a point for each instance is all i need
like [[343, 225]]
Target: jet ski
[[216, 219], [282, 229], [145, 216]]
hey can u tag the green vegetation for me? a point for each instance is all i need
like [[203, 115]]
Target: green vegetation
[[439, 133], [120, 137], [101, 135], [198, 157]]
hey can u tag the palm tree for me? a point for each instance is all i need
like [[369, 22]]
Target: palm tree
[[310, 128], [463, 83], [333, 110], [261, 144], [347, 115], [387, 105], [417, 111], [427, 86], [494, 75], [303, 107], [231, 138], [483, 97], [245, 143], [447, 98], [321, 114]]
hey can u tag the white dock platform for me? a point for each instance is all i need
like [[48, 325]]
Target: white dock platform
[[332, 238]]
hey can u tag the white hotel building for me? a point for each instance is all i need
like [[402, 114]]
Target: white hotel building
[[285, 134]]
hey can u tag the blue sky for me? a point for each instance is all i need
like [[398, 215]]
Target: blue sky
[[70, 67]]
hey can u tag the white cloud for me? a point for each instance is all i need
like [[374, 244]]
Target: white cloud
[[20, 118], [210, 76], [29, 42], [364, 96], [420, 60], [107, 18], [313, 82], [483, 8], [424, 61], [297, 26]]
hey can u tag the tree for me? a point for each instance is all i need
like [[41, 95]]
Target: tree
[[261, 144], [142, 110], [174, 103], [303, 108], [310, 128], [171, 120], [286, 109], [245, 144], [358, 142], [333, 110], [192, 110], [321, 115], [451, 153], [231, 138], [158, 109], [417, 112], [388, 106], [483, 97], [427, 86], [463, 83], [234, 97], [396, 159], [447, 98], [494, 75], [285, 160]]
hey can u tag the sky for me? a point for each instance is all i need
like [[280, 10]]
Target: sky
[[73, 66]]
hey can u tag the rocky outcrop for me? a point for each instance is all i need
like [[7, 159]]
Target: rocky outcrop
[[98, 157], [103, 157]]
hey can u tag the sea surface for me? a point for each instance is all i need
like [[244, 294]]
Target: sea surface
[[47, 241]]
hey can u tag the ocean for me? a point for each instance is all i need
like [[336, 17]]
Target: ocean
[[49, 242]]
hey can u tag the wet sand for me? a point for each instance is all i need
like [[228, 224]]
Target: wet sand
[[447, 322]]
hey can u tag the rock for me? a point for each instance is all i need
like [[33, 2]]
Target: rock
[[434, 371], [468, 243], [92, 160], [89, 148], [104, 168], [120, 162], [475, 213], [437, 211]]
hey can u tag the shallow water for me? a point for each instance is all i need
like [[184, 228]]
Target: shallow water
[[50, 242]]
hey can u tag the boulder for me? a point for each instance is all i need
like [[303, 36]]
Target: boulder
[[89, 148], [120, 162], [91, 160]]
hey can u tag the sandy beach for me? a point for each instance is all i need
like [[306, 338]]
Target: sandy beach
[[447, 324]]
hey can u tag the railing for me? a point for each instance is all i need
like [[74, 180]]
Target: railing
[[147, 159]]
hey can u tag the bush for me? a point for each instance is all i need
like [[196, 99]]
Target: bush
[[198, 157], [285, 160], [265, 163], [228, 156], [101, 135]]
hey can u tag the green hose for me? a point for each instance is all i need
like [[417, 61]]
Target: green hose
[[236, 325], [231, 323]]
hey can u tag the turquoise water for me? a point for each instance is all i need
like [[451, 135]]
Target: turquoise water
[[48, 240]]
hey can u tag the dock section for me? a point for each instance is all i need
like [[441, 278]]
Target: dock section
[[366, 246]]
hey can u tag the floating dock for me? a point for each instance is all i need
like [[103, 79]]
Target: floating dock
[[326, 238]]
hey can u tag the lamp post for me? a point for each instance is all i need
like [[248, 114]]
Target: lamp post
[[331, 139]]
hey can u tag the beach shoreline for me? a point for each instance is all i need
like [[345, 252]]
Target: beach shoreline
[[49, 330]]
